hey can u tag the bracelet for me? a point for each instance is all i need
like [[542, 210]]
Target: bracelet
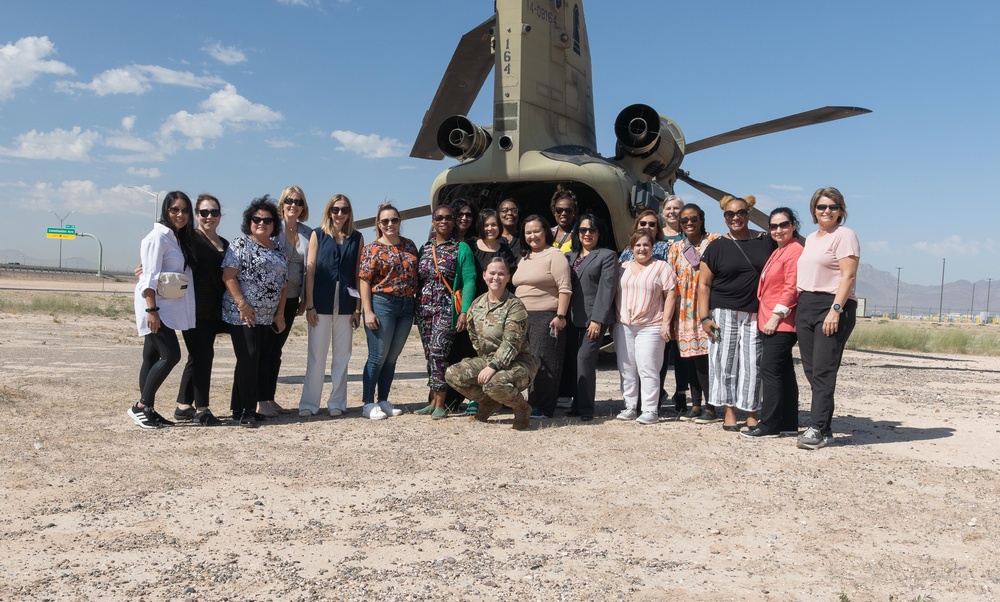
[[706, 319], [241, 303], [150, 310], [310, 308]]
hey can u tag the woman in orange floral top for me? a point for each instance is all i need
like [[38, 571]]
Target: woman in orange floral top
[[388, 283]]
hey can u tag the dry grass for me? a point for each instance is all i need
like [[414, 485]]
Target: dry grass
[[929, 338], [77, 304]]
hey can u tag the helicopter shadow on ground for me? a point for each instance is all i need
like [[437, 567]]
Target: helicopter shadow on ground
[[861, 430]]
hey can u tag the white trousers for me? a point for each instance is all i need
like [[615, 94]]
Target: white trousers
[[734, 361], [640, 355], [329, 329]]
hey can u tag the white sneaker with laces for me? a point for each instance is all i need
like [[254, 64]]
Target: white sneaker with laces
[[388, 408], [648, 418], [627, 414], [373, 412]]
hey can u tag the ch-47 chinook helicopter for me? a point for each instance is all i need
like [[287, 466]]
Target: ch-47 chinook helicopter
[[543, 131]]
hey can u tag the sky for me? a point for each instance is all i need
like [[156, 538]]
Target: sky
[[239, 99]]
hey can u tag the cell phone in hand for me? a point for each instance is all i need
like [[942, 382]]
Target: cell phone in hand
[[553, 333]]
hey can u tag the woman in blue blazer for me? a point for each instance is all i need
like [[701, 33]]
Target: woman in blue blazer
[[592, 308]]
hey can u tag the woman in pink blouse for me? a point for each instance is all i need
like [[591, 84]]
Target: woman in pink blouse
[[778, 297], [647, 293]]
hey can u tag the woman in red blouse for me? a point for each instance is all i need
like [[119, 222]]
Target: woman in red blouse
[[778, 297]]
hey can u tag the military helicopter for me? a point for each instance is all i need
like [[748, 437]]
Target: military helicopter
[[543, 131]]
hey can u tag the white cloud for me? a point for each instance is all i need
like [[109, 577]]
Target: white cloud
[[86, 197], [72, 145], [369, 146], [229, 55], [958, 246], [296, 2], [145, 172], [128, 123], [407, 167], [22, 61], [877, 246], [225, 108], [139, 79], [788, 187], [279, 143]]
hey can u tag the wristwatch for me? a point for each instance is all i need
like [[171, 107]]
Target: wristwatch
[[561, 316], [837, 307]]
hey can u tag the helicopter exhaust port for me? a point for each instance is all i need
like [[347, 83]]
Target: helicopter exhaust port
[[649, 139], [461, 139]]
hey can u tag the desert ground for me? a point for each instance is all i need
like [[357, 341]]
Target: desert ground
[[905, 502]]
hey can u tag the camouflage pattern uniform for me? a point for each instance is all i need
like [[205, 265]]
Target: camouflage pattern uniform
[[499, 334]]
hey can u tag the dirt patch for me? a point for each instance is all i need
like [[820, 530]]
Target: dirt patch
[[408, 508]]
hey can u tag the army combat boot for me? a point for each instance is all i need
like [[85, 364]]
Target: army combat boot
[[522, 414], [487, 407]]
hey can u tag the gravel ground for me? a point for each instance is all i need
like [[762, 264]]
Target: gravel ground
[[905, 502]]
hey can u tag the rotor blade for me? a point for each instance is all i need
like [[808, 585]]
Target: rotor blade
[[405, 214], [758, 217], [821, 115], [458, 89]]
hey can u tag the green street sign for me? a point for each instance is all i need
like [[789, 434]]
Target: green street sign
[[70, 230]]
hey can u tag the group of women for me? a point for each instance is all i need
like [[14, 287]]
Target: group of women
[[505, 305]]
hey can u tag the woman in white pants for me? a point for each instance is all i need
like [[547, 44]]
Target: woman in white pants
[[333, 306], [647, 293]]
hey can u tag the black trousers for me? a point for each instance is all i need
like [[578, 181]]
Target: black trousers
[[161, 351], [672, 356], [268, 383], [585, 368], [821, 354], [549, 352], [461, 348], [697, 378], [251, 344], [780, 408], [197, 376]]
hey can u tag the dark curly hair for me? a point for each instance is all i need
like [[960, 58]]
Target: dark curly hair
[[264, 203], [701, 215]]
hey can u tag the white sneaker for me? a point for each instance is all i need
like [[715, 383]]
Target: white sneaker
[[388, 408], [564, 402], [648, 418], [373, 412], [627, 414], [305, 413], [336, 412]]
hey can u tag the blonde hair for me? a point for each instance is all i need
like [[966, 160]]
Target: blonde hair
[[328, 225], [304, 216], [834, 195], [749, 200]]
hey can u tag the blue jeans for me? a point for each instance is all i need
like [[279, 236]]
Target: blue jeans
[[395, 317]]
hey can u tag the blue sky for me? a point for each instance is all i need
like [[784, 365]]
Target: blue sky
[[244, 98]]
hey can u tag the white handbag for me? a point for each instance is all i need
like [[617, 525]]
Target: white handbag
[[172, 285]]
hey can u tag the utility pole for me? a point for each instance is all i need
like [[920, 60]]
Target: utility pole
[[156, 201], [941, 305], [62, 220], [895, 308], [989, 281], [973, 304]]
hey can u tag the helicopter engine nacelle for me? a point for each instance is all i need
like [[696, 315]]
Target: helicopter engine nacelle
[[461, 139], [655, 141]]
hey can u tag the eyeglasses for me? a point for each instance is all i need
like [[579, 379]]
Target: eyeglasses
[[296, 202], [731, 214], [179, 210], [586, 231], [690, 220], [392, 221], [465, 215], [648, 224], [444, 217], [561, 210], [340, 210], [267, 221], [781, 226], [825, 207], [508, 210], [209, 212]]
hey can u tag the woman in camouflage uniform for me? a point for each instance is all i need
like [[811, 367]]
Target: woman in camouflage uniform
[[498, 326]]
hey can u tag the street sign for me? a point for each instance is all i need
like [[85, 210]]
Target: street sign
[[70, 236], [70, 227], [68, 233]]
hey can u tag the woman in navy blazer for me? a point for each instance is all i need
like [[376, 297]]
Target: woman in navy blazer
[[592, 307]]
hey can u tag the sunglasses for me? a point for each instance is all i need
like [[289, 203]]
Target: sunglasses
[[690, 220], [561, 210], [392, 221], [465, 215], [444, 217], [648, 224], [825, 207], [781, 225], [586, 231], [209, 212], [509, 210], [731, 214], [340, 210], [179, 210], [296, 202], [267, 221]]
